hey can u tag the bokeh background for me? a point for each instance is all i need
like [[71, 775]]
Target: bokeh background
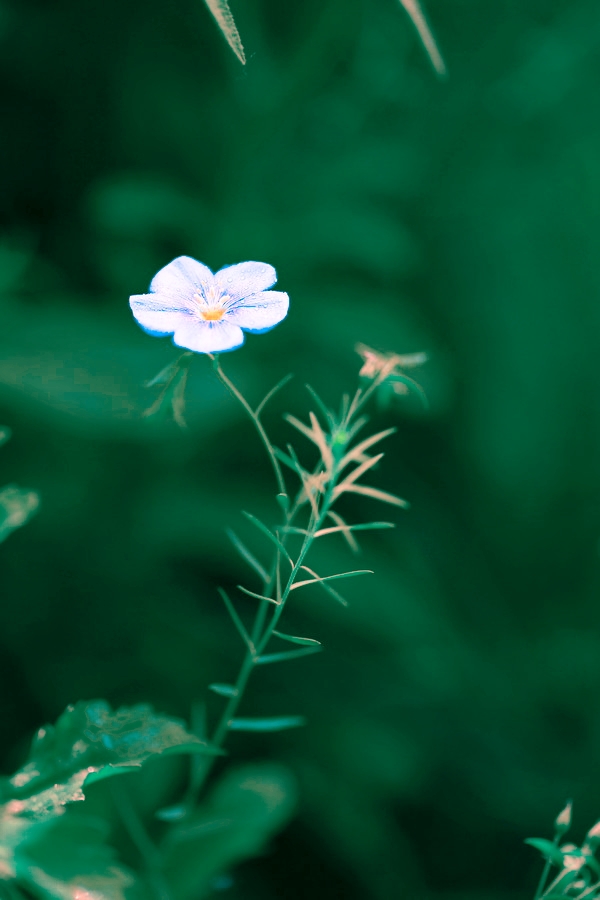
[[456, 706]]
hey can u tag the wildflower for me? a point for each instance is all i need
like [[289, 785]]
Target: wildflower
[[207, 312], [382, 365]]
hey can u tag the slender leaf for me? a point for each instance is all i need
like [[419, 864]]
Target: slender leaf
[[343, 527], [367, 526], [293, 639], [236, 620], [356, 473], [268, 533], [301, 427], [327, 587], [276, 723], [257, 596], [548, 849], [376, 494], [356, 454], [299, 584], [321, 442], [271, 394], [327, 414], [224, 19], [224, 690], [247, 555], [286, 655], [415, 11]]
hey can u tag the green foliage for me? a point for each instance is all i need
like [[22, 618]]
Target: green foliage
[[245, 808], [44, 849]]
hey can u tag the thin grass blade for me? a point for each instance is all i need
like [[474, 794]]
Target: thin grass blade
[[376, 494], [318, 579], [247, 556], [256, 596], [293, 639], [343, 527], [415, 11], [236, 620], [224, 19], [356, 453], [321, 442], [267, 533], [356, 473], [272, 393], [367, 526], [326, 413]]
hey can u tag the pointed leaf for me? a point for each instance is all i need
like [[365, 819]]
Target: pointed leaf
[[356, 454], [257, 596], [321, 442], [343, 527], [236, 619], [276, 723], [293, 639], [367, 526], [224, 19], [326, 413], [415, 11], [286, 655], [327, 587], [376, 494], [247, 556], [548, 849], [272, 393], [268, 533], [318, 579], [356, 473]]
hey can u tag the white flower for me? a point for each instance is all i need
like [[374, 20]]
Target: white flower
[[206, 312]]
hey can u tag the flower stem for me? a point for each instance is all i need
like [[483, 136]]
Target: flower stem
[[255, 418]]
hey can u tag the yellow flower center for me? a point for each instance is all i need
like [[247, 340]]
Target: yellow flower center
[[212, 315]]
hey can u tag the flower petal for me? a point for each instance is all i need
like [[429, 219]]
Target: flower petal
[[181, 278], [260, 312], [159, 314], [209, 337], [245, 278]]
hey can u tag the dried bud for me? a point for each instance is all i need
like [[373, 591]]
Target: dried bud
[[563, 820], [593, 836]]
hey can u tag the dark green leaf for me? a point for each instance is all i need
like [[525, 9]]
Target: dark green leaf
[[246, 808], [548, 849], [88, 742]]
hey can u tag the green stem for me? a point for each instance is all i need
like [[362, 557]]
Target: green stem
[[148, 851], [255, 418], [261, 635]]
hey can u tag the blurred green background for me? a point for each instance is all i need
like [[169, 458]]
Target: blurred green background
[[456, 707]]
